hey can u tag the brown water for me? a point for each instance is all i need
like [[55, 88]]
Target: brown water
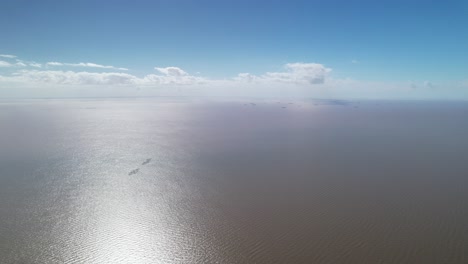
[[196, 181]]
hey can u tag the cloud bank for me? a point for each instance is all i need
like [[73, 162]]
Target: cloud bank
[[167, 76], [5, 64], [7, 56], [295, 79], [295, 73], [85, 64]]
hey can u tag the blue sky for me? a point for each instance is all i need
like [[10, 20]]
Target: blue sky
[[388, 43]]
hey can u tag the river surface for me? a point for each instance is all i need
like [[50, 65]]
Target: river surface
[[177, 180]]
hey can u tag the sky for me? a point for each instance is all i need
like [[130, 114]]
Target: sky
[[323, 49]]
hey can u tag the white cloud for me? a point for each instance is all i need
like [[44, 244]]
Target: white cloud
[[354, 61], [5, 64], [7, 56], [246, 77], [171, 71], [73, 78], [94, 65], [85, 64], [296, 79], [54, 63], [34, 64], [19, 63], [170, 76], [295, 73]]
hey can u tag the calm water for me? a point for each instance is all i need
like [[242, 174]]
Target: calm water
[[193, 181]]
